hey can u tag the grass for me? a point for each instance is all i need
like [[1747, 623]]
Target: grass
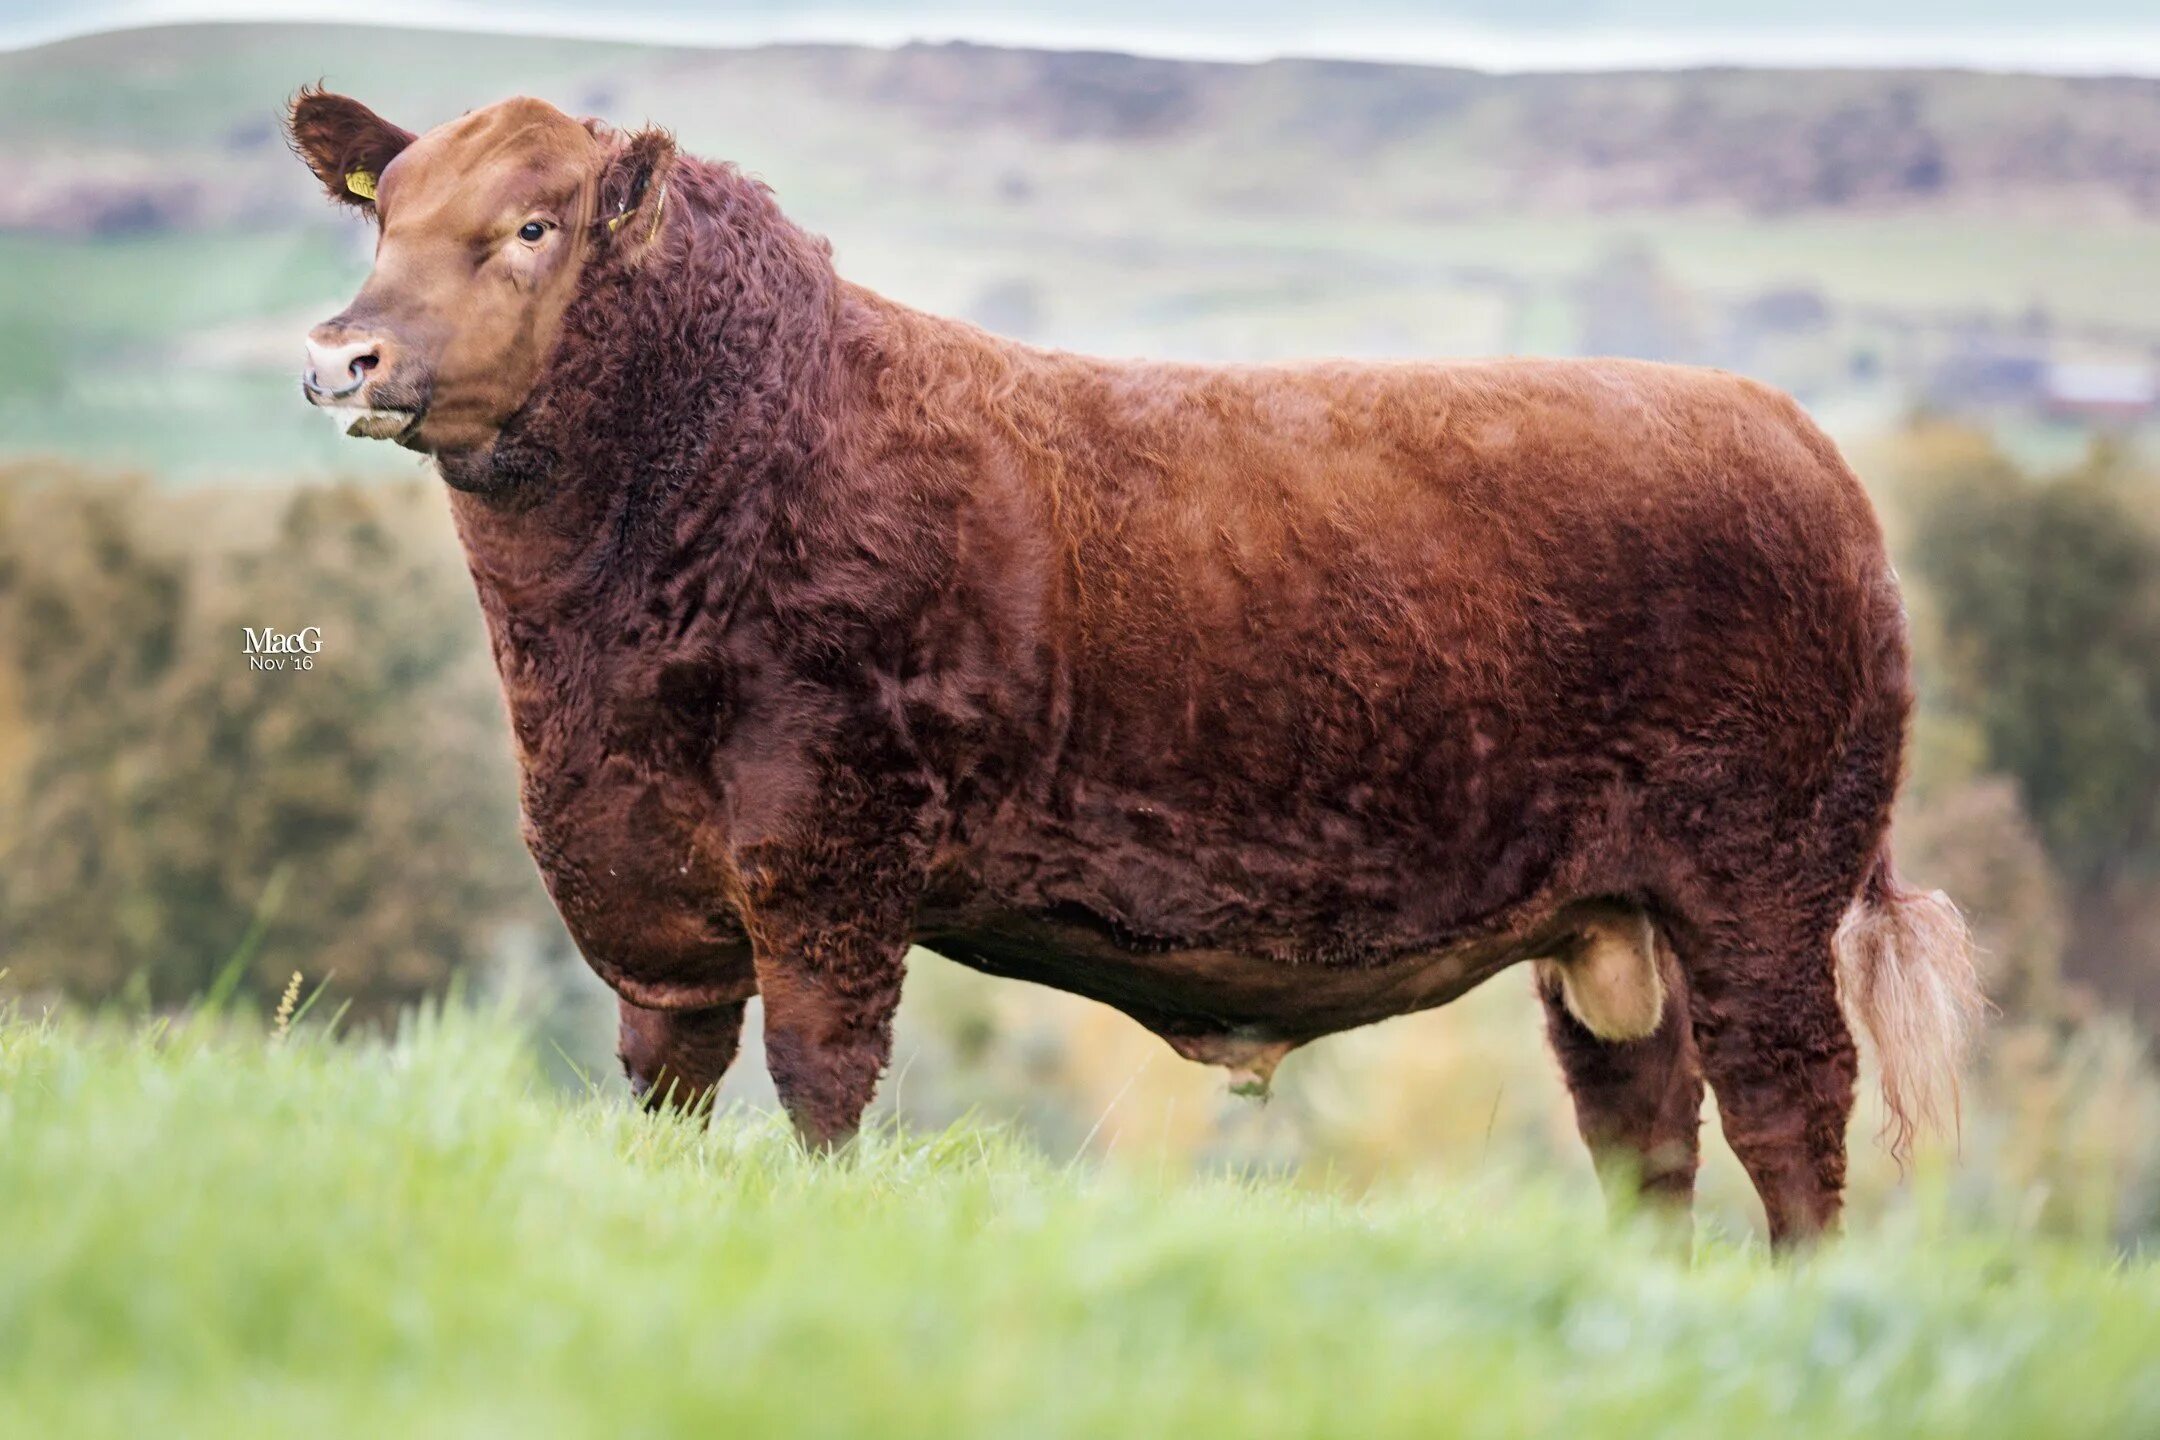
[[213, 1231]]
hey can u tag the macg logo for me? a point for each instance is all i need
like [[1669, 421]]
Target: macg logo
[[272, 649]]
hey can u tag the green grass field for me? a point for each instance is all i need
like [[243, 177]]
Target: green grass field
[[213, 1231]]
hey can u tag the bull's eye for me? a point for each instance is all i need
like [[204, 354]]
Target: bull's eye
[[531, 231]]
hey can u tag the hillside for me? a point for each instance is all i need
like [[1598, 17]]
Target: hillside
[[176, 128], [1853, 236]]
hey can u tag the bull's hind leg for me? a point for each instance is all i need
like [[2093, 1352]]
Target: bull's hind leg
[[1638, 1102], [1779, 1058]]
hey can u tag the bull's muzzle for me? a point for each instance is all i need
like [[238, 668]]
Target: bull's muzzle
[[355, 378], [336, 369]]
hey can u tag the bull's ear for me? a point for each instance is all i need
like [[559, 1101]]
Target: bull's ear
[[346, 144], [632, 193]]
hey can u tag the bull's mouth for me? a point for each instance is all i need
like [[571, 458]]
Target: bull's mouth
[[365, 421]]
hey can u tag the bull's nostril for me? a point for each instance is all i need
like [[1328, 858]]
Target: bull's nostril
[[338, 372]]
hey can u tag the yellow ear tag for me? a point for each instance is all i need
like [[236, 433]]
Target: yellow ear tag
[[361, 183], [659, 204]]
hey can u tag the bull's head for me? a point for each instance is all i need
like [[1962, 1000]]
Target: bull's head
[[485, 228]]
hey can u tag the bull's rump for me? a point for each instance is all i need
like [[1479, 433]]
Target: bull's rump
[[1355, 659]]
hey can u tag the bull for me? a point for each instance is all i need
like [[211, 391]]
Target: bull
[[1259, 702]]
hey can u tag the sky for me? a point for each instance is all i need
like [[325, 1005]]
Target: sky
[[2066, 36]]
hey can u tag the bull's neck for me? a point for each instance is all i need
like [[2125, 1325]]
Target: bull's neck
[[687, 393]]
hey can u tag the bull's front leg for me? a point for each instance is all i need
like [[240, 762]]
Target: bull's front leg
[[830, 916], [830, 987], [677, 1058], [829, 904]]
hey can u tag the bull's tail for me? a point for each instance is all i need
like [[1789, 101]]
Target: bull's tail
[[1905, 971]]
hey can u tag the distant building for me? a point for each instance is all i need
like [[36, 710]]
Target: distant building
[[2114, 392]]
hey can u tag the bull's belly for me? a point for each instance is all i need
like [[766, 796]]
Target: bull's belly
[[1197, 996], [1238, 940]]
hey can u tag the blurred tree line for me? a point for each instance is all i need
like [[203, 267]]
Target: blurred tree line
[[2038, 645], [2033, 799], [167, 810]]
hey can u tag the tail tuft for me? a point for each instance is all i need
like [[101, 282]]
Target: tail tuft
[[1905, 971]]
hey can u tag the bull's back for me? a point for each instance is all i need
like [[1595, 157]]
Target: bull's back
[[1320, 588]]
